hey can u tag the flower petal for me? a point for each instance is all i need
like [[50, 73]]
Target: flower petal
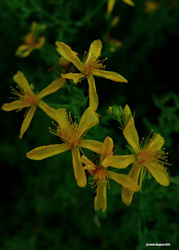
[[23, 50], [61, 118], [69, 54], [127, 194], [93, 97], [109, 75], [126, 114], [40, 42], [27, 52], [110, 6], [20, 79], [94, 51], [18, 104], [118, 161], [51, 112], [129, 2], [52, 87], [26, 123], [44, 152], [130, 133], [108, 146], [156, 142], [92, 145], [88, 120], [123, 180], [79, 171], [100, 200], [159, 173], [73, 76], [86, 161]]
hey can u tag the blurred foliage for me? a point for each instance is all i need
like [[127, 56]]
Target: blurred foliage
[[41, 205]]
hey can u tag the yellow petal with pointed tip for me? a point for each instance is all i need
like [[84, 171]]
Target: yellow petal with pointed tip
[[21, 80], [23, 50], [156, 142], [27, 52], [100, 200], [123, 180], [92, 145], [127, 194], [51, 112], [27, 121], [108, 146], [44, 152], [18, 104], [79, 171], [61, 118], [129, 2], [88, 120], [69, 54], [126, 115], [109, 75], [93, 97], [118, 161], [22, 47], [110, 6], [52, 88], [159, 173], [94, 51], [130, 133], [76, 77]]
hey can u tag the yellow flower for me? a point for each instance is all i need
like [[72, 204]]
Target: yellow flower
[[101, 174], [151, 6], [91, 66], [149, 157], [26, 98], [72, 136], [31, 41], [113, 43]]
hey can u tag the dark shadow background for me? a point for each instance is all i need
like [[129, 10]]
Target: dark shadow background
[[41, 205]]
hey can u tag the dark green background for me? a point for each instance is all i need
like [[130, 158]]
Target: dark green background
[[41, 205]]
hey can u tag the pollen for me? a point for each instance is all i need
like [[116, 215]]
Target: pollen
[[28, 99], [148, 154], [144, 156], [91, 65], [68, 134]]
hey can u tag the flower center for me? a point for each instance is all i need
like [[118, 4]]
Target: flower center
[[69, 133], [30, 40], [30, 99], [99, 174], [91, 65], [144, 156]]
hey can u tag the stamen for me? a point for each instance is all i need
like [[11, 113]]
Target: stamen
[[148, 138], [92, 64], [69, 134]]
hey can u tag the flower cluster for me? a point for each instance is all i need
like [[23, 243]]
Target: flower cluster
[[148, 156]]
